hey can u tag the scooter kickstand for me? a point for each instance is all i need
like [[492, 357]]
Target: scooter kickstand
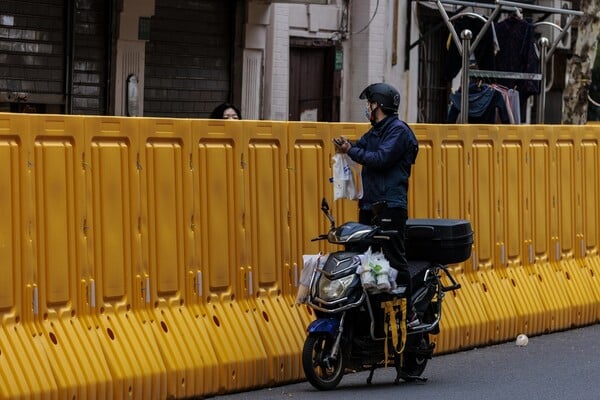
[[370, 377]]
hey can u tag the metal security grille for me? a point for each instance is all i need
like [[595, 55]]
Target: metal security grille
[[53, 56], [32, 56], [188, 57], [89, 59], [433, 92]]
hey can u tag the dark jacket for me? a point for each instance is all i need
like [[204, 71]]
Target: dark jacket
[[386, 152], [516, 38]]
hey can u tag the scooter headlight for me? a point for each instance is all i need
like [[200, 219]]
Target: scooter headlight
[[330, 290]]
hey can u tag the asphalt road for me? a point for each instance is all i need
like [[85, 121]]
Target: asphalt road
[[558, 366]]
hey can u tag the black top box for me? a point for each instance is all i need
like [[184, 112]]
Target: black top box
[[444, 241]]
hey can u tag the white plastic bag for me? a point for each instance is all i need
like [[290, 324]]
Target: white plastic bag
[[375, 272], [380, 267], [347, 182], [367, 278], [311, 263]]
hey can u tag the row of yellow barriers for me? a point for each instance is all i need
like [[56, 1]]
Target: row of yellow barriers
[[159, 258]]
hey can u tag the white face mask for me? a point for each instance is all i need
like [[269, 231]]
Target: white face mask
[[370, 113]]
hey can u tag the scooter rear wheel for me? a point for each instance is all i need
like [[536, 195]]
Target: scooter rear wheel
[[321, 370], [415, 362]]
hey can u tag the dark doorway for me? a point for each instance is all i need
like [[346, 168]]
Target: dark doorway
[[314, 81]]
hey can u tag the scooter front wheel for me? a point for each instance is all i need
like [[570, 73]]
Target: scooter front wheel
[[322, 370]]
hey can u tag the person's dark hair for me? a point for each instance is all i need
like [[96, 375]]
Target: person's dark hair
[[217, 113]]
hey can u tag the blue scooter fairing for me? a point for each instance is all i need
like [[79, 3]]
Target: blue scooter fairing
[[324, 325]]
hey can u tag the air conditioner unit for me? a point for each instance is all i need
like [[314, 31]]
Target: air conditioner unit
[[557, 19]]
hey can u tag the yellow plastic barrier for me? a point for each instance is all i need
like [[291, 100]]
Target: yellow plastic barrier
[[26, 370], [58, 200], [579, 289], [500, 313], [166, 201], [18, 348], [117, 297], [220, 160], [529, 308], [156, 258], [591, 272]]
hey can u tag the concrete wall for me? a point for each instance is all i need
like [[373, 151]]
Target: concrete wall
[[130, 53]]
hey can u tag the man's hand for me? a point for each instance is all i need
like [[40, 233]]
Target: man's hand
[[342, 145]]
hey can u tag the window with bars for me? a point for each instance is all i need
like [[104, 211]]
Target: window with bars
[[433, 91]]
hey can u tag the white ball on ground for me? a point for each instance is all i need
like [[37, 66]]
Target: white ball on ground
[[522, 340]]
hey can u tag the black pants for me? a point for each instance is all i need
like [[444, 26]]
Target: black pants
[[394, 250], [390, 219]]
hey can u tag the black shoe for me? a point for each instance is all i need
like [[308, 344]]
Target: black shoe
[[413, 321]]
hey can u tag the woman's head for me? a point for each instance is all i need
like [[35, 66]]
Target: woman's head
[[226, 111]]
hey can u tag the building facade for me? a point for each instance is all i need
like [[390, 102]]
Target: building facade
[[276, 59]]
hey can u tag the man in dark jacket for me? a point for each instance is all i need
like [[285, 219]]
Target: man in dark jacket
[[386, 152]]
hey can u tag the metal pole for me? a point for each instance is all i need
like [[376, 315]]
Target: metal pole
[[466, 36], [542, 98]]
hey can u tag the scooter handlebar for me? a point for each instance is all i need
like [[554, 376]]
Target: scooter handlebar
[[320, 237]]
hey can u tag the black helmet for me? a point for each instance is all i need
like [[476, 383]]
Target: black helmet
[[383, 94]]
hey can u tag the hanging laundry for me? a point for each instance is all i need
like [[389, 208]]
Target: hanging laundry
[[511, 99], [484, 104], [518, 54], [515, 104]]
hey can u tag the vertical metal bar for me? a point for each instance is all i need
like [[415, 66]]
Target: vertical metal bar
[[542, 97], [466, 36], [92, 299]]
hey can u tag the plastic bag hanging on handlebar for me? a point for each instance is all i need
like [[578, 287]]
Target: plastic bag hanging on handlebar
[[311, 262], [347, 182]]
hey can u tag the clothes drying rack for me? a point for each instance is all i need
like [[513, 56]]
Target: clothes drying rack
[[466, 48]]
